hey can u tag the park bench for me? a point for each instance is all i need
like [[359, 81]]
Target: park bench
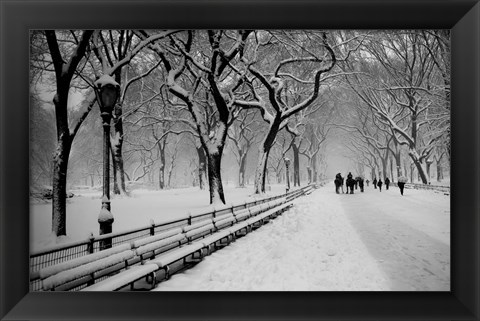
[[194, 242], [261, 218], [85, 269], [145, 248], [148, 247], [309, 190], [198, 229], [223, 221], [164, 261]]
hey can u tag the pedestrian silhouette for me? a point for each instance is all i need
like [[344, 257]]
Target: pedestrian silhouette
[[379, 184], [401, 183], [387, 182]]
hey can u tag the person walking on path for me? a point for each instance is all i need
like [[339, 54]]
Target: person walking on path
[[367, 181], [387, 182], [380, 183], [359, 179], [375, 183], [401, 183]]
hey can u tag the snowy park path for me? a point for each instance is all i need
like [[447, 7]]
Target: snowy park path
[[368, 241], [312, 247], [409, 236]]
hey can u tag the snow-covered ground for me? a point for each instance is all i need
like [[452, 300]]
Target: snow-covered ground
[[372, 241], [129, 212]]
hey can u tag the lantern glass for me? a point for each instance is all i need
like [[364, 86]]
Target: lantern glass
[[108, 96]]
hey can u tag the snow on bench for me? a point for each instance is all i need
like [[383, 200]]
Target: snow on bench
[[242, 215], [163, 261], [125, 278], [86, 269], [197, 225], [63, 273], [214, 238], [193, 233], [240, 226], [224, 220], [152, 247], [274, 211], [157, 237], [54, 269]]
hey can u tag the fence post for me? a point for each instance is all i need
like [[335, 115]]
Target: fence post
[[90, 244], [152, 227], [189, 218]]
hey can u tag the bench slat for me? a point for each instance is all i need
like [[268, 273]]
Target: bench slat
[[158, 237], [159, 244], [70, 264], [214, 237], [175, 255], [86, 269], [199, 230], [124, 278], [197, 225]]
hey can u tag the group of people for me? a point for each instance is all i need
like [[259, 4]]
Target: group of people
[[358, 181]]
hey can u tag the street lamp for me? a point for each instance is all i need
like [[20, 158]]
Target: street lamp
[[429, 163], [287, 165], [107, 91]]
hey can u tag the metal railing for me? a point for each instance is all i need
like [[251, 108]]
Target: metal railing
[[445, 189], [61, 253]]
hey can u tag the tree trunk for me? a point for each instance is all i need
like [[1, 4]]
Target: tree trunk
[[439, 170], [391, 171], [263, 156], [170, 171], [428, 172], [296, 165], [241, 172], [419, 165], [260, 171], [116, 142], [161, 174], [202, 166], [59, 188], [215, 178], [399, 164], [384, 168], [314, 168], [117, 162]]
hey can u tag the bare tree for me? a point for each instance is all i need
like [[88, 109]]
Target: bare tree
[[243, 136], [65, 66], [273, 75], [199, 73]]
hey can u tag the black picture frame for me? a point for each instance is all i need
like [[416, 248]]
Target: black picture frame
[[18, 17]]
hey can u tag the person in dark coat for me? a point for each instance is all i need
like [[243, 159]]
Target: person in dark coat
[[359, 180], [401, 183], [387, 182], [379, 184], [350, 183], [375, 183], [338, 183]]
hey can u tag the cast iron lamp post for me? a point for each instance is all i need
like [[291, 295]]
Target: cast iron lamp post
[[429, 164], [107, 91]]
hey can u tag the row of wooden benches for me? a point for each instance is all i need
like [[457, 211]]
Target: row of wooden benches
[[125, 264]]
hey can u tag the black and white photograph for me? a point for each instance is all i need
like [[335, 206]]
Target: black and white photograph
[[240, 160]]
